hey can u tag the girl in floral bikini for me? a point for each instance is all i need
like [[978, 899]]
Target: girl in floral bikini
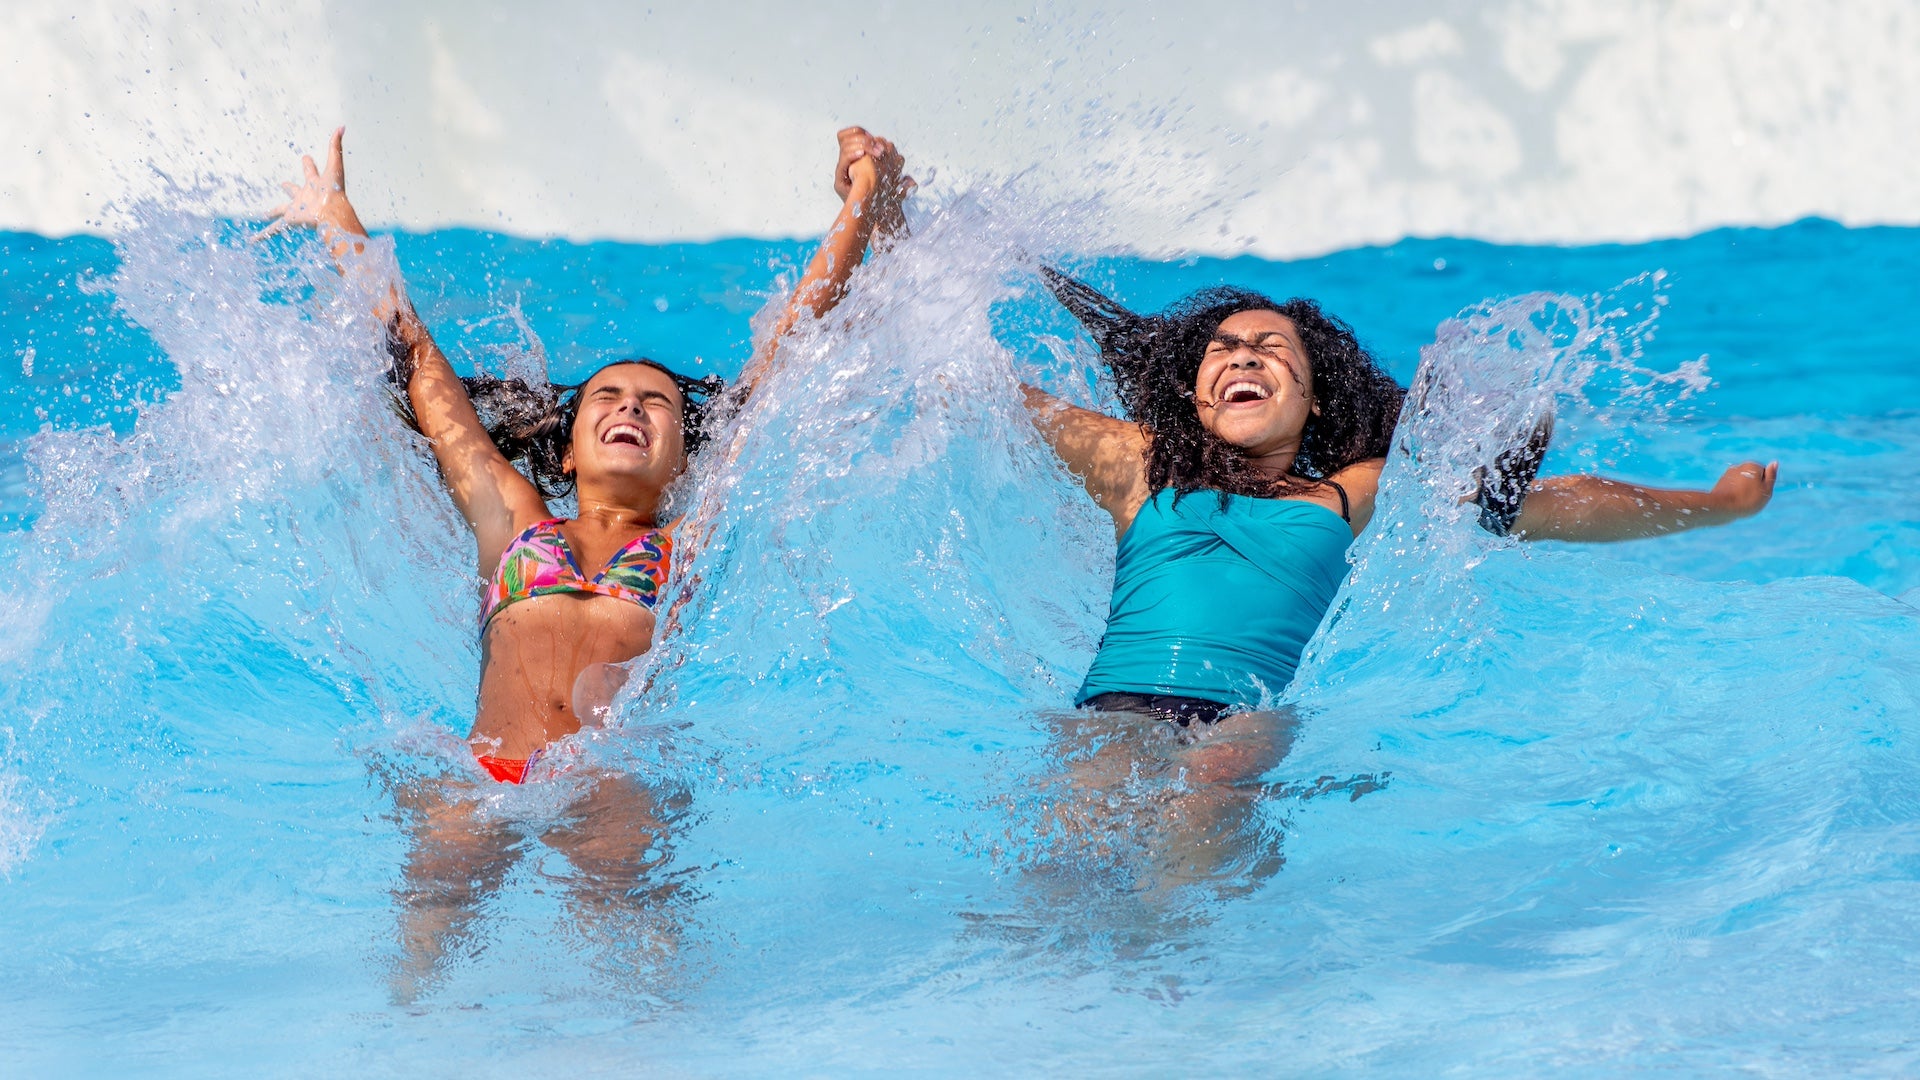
[[566, 598]]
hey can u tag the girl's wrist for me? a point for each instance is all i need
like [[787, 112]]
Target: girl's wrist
[[337, 212], [1728, 506]]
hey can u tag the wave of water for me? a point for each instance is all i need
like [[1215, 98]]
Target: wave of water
[[1546, 805]]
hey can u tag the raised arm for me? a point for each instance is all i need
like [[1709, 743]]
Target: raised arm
[[491, 494], [1108, 456], [1593, 508], [870, 179]]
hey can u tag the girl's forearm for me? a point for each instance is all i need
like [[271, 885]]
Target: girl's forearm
[[342, 232], [825, 281], [845, 247], [346, 240], [430, 376], [1595, 509]]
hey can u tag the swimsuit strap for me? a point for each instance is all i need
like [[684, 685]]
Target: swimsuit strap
[[1344, 507]]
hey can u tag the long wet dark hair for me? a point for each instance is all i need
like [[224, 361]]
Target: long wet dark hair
[[534, 424], [1156, 358]]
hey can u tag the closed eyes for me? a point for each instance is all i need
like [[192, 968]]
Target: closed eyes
[[1269, 345]]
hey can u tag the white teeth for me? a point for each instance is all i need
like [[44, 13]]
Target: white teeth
[[1259, 392], [617, 430]]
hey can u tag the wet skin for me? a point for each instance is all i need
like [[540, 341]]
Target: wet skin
[[1254, 390], [546, 660], [627, 447]]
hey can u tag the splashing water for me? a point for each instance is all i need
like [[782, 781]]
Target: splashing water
[[1646, 773], [271, 493], [1615, 814], [1492, 374]]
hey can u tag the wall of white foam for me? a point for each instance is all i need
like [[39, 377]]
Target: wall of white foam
[[1279, 129]]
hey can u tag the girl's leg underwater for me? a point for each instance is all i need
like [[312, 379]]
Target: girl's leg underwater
[[1177, 804], [456, 863]]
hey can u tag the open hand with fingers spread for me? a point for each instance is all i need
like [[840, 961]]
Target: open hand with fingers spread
[[871, 173], [319, 199]]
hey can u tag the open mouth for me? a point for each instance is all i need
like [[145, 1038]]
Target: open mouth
[[1242, 391], [624, 435]]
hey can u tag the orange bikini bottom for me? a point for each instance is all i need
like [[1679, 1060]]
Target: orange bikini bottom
[[507, 770]]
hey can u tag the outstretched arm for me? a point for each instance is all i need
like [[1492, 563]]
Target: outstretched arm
[[490, 493], [1593, 508], [870, 179]]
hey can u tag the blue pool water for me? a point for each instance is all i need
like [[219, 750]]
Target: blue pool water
[[1647, 806]]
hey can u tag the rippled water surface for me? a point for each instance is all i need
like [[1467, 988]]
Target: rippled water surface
[[1644, 806]]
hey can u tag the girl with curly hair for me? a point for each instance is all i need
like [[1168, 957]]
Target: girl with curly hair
[[1250, 458], [1248, 461]]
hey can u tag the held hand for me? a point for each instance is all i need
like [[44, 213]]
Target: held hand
[[869, 175], [871, 172], [319, 200], [854, 145], [1745, 489]]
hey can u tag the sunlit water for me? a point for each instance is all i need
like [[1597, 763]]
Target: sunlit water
[[1652, 805]]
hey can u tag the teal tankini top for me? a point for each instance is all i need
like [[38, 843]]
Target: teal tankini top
[[1214, 603]]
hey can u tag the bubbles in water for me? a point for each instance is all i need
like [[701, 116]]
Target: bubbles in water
[[19, 829]]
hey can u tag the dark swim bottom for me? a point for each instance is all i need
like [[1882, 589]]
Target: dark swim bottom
[[1169, 707]]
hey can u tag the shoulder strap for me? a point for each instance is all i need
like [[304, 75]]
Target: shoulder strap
[[1346, 508]]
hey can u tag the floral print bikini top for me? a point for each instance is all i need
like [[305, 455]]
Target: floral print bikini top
[[539, 563]]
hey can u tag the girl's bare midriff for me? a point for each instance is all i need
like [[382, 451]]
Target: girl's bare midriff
[[532, 653]]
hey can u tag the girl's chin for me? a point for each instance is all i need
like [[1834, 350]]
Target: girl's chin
[[640, 473], [625, 461], [1246, 440]]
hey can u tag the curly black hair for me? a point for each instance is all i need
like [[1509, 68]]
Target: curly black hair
[[1156, 358], [535, 423]]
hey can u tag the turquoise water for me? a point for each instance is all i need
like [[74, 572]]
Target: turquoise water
[[1643, 806]]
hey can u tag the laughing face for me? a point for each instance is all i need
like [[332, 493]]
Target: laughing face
[[628, 429], [1255, 388]]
